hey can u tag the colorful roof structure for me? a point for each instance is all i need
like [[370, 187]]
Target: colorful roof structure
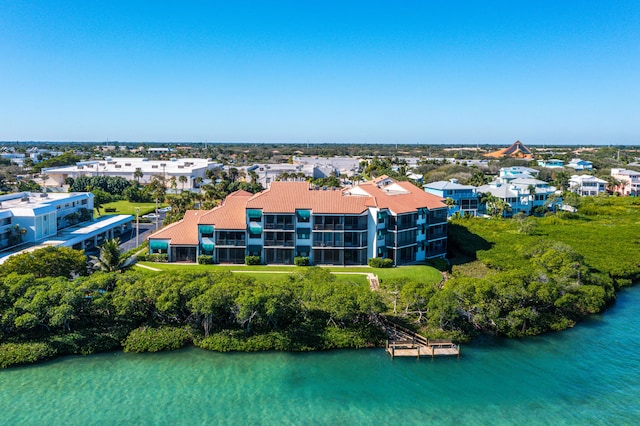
[[516, 150]]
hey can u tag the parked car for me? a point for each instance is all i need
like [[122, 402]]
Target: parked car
[[150, 216], [165, 209]]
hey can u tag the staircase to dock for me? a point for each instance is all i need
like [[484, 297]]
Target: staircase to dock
[[404, 342]]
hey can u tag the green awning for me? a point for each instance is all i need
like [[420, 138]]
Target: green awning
[[304, 214], [255, 228], [254, 213], [158, 244], [205, 229], [207, 243]]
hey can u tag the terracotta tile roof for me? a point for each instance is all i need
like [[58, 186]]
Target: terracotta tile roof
[[183, 232], [231, 214], [402, 197], [286, 197], [517, 150]]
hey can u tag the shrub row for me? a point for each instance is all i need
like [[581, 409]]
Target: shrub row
[[155, 257], [379, 262], [252, 260]]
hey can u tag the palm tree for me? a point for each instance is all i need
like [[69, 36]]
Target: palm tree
[[532, 195], [183, 179], [137, 175], [110, 258], [197, 181]]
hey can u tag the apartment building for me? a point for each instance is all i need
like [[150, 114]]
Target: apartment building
[[379, 218], [629, 181]]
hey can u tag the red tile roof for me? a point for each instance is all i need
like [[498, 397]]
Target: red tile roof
[[286, 197], [231, 214], [401, 197], [183, 232]]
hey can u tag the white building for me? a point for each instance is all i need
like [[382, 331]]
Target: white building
[[586, 185], [580, 165], [191, 168], [522, 194], [507, 174], [44, 219]]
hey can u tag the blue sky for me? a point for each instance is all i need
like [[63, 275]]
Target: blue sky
[[544, 72]]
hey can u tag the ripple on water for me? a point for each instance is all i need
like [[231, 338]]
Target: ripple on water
[[587, 375]]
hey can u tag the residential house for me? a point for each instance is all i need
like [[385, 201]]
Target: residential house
[[586, 185], [379, 218], [522, 194], [553, 163], [515, 150], [580, 165], [629, 181], [464, 197], [507, 174]]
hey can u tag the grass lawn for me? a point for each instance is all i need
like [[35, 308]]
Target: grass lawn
[[126, 207], [418, 273]]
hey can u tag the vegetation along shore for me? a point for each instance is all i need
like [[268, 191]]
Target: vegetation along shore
[[512, 278]]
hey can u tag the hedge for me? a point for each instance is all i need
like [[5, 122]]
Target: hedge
[[378, 262], [146, 339]]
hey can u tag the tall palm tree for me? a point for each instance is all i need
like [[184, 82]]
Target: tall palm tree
[[110, 259], [183, 179], [137, 175]]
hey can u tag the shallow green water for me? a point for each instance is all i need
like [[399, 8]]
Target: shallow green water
[[588, 375]]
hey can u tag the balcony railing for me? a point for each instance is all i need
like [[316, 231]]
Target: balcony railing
[[278, 243], [328, 227], [227, 242]]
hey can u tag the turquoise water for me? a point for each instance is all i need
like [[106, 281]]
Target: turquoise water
[[587, 375]]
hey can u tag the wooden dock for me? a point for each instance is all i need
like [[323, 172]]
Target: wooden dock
[[404, 342]]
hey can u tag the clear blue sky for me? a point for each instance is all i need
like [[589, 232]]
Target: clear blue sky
[[544, 72]]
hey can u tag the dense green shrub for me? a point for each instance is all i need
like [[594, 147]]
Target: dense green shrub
[[24, 353], [158, 257], [238, 340], [301, 261], [205, 259], [142, 257], [379, 262], [252, 260], [147, 339]]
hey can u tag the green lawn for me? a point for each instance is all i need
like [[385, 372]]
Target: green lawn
[[126, 207], [418, 273]]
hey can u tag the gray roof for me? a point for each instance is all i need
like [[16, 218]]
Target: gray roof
[[445, 184]]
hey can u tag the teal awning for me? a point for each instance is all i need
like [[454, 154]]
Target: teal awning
[[158, 244], [255, 227], [304, 214], [254, 213], [207, 244], [205, 229], [382, 215]]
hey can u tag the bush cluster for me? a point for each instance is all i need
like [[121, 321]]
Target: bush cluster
[[24, 353], [147, 339], [301, 261], [252, 260], [205, 259], [379, 262]]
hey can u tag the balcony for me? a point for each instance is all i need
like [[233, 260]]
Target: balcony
[[328, 227], [278, 243], [228, 242]]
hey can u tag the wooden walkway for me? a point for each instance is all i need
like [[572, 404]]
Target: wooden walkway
[[404, 342]]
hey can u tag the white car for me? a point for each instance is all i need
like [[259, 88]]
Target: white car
[[150, 216], [164, 209]]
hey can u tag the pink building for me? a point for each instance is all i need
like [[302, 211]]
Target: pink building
[[629, 181]]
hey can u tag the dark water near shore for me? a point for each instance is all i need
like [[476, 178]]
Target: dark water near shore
[[587, 375]]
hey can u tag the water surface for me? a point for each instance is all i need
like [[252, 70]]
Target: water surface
[[587, 375]]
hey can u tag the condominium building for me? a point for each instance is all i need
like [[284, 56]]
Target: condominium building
[[586, 185], [629, 181], [379, 218]]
